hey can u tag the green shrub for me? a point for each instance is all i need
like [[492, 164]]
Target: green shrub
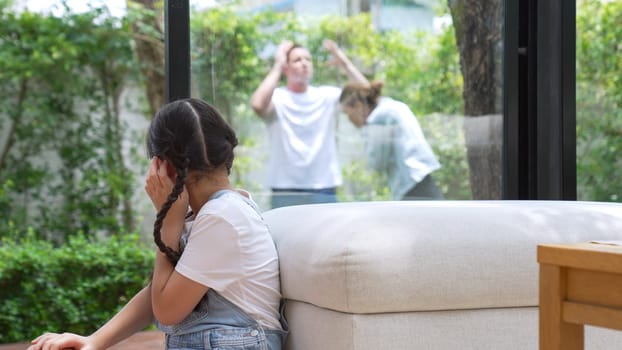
[[75, 287]]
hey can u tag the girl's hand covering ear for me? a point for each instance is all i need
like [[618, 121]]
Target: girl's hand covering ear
[[159, 186]]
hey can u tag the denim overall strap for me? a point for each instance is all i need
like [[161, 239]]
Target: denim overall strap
[[216, 323]]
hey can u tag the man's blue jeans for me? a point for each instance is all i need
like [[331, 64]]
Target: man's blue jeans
[[283, 197]]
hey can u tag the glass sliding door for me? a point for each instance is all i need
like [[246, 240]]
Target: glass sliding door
[[442, 60]]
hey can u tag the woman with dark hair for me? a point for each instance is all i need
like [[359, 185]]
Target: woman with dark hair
[[215, 283], [394, 141]]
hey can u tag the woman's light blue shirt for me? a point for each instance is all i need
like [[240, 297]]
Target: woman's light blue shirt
[[396, 146]]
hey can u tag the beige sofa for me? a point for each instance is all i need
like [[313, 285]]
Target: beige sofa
[[426, 275]]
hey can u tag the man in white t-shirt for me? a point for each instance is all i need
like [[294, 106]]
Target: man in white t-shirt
[[303, 167]]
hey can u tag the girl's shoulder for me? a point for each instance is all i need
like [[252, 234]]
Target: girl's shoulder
[[229, 202]]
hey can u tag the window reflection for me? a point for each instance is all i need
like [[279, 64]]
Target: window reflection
[[416, 55]]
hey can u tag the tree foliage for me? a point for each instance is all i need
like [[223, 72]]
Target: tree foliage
[[599, 100], [61, 159]]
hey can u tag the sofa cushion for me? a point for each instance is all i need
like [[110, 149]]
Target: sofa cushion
[[372, 257], [490, 329]]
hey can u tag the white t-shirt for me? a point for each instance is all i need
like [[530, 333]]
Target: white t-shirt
[[303, 152], [229, 249]]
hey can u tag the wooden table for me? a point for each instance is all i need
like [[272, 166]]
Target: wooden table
[[145, 340], [579, 284]]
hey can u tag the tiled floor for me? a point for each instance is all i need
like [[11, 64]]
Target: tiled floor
[[148, 340]]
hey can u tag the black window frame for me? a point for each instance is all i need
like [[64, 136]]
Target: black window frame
[[539, 154]]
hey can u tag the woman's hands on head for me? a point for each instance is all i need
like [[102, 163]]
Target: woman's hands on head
[[55, 341]]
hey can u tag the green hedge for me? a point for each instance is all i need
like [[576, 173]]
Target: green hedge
[[75, 287]]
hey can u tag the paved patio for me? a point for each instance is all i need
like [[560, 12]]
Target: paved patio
[[147, 340]]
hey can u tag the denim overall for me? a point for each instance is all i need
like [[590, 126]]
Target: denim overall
[[218, 324]]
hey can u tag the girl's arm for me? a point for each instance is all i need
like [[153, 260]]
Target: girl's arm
[[134, 317], [173, 296]]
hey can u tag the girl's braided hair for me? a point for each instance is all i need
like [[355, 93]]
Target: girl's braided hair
[[192, 136]]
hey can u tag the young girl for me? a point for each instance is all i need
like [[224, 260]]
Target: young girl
[[215, 282], [394, 141]]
